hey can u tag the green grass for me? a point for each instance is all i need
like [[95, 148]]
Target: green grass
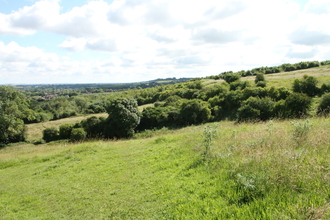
[[285, 79], [254, 171]]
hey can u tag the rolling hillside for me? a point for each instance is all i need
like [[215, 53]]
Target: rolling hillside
[[277, 169]]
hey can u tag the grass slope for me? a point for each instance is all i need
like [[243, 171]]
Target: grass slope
[[286, 79], [255, 171]]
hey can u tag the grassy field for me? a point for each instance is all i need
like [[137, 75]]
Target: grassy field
[[273, 170], [285, 79]]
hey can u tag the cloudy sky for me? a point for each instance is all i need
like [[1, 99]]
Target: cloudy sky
[[108, 41]]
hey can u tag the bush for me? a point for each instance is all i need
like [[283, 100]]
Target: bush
[[124, 117], [259, 78], [94, 126], [307, 85], [238, 85], [231, 77], [297, 105], [78, 134], [195, 112], [50, 134], [325, 88], [256, 108], [247, 113], [261, 84], [65, 131], [324, 106]]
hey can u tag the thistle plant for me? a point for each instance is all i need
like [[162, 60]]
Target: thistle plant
[[300, 131], [209, 134]]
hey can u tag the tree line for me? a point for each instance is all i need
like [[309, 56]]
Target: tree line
[[193, 103], [176, 105]]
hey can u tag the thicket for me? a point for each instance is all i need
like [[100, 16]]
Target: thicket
[[194, 103], [13, 109]]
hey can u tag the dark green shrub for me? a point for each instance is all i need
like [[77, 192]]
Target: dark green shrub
[[65, 131], [232, 101], [50, 134], [230, 77], [195, 112], [256, 108], [312, 64], [277, 93], [286, 67], [124, 117], [324, 106], [247, 113], [325, 88], [254, 92], [94, 126], [158, 117], [239, 85], [297, 105], [307, 85], [279, 110], [78, 134], [259, 78], [261, 84], [326, 62]]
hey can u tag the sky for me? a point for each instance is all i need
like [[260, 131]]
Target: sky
[[116, 41]]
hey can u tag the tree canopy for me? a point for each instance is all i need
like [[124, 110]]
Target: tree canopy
[[13, 108], [124, 117]]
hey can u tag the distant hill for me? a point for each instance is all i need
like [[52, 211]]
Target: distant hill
[[102, 87]]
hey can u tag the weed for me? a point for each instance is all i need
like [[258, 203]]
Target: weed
[[300, 131], [209, 134]]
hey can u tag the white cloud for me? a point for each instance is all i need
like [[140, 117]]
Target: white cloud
[[74, 44], [143, 40], [40, 15]]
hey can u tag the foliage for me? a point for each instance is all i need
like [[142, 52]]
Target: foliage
[[195, 112], [78, 134], [230, 77], [261, 84], [256, 108], [156, 117], [94, 126], [297, 105], [324, 106], [259, 78], [65, 131], [239, 85], [325, 88], [50, 134], [13, 109], [124, 117], [307, 85], [212, 91]]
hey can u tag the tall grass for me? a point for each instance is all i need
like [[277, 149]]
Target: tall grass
[[254, 171]]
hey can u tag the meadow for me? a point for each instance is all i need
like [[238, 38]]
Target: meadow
[[278, 169], [269, 170]]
